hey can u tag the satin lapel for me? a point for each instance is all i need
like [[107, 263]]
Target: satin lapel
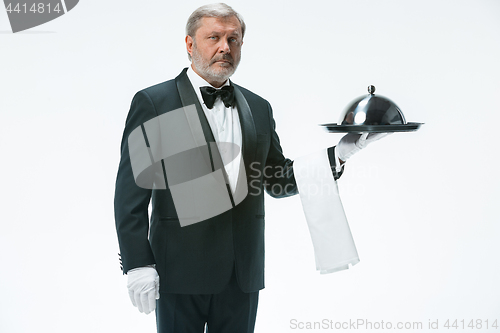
[[248, 131], [212, 155], [188, 97]]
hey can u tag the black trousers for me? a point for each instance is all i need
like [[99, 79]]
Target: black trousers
[[230, 311]]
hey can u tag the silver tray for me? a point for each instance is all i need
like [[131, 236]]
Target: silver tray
[[335, 128]]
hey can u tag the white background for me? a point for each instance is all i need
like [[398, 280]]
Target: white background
[[423, 206]]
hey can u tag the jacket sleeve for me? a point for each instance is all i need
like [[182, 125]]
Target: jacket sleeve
[[279, 179], [131, 201]]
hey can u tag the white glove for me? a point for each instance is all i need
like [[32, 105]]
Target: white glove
[[351, 143], [144, 288]]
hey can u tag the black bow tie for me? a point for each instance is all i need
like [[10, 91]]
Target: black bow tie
[[210, 94]]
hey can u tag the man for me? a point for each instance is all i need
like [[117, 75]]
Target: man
[[207, 273]]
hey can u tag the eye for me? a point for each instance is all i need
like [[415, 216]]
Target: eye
[[235, 41], [212, 37]]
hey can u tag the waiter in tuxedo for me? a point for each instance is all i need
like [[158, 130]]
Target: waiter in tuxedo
[[209, 273]]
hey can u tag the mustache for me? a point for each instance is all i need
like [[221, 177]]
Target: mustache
[[226, 57]]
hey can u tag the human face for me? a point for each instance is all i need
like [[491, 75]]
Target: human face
[[216, 49]]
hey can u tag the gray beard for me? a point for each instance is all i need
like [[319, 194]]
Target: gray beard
[[208, 72]]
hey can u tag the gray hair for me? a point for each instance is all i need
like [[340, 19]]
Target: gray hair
[[219, 10]]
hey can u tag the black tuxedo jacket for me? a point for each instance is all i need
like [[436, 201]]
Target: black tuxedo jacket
[[199, 258]]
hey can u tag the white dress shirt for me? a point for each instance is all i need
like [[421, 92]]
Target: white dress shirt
[[226, 128]]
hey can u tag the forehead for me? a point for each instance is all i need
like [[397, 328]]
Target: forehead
[[230, 25]]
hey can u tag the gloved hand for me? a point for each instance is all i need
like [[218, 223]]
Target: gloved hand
[[351, 143], [144, 288]]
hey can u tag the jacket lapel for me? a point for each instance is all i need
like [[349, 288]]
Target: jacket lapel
[[188, 97], [206, 144], [209, 147], [248, 132]]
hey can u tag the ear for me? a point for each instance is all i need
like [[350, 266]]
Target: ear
[[189, 44]]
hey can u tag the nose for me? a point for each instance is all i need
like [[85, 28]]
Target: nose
[[224, 47]]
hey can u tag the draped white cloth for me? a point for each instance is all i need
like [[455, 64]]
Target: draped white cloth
[[334, 247]]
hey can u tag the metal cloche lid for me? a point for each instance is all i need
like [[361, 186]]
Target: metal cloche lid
[[372, 113], [372, 110]]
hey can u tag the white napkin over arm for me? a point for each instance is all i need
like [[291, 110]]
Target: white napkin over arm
[[334, 247]]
